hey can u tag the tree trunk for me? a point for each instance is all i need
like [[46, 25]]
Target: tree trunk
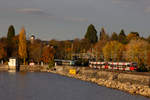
[[24, 61]]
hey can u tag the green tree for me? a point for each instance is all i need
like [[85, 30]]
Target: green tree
[[10, 40], [11, 32], [114, 36], [122, 37], [91, 34]]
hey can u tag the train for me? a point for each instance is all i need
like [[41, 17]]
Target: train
[[123, 66], [64, 62]]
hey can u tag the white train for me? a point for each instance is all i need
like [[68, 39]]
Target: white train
[[124, 66]]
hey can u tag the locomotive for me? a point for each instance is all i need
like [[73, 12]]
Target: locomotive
[[124, 66]]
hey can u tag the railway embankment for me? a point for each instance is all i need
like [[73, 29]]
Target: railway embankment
[[134, 84]]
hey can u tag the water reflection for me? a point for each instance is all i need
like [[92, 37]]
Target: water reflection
[[46, 86]]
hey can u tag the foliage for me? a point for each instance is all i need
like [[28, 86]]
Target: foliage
[[47, 54], [98, 49], [137, 52], [22, 45], [11, 32], [148, 60], [113, 51], [51, 63], [77, 46], [10, 40], [3, 46], [82, 62], [148, 39], [114, 37], [14, 46], [103, 35], [133, 35], [91, 34], [122, 37], [34, 51], [104, 38], [81, 46]]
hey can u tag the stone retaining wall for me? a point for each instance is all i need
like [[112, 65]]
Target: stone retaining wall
[[35, 68], [134, 84]]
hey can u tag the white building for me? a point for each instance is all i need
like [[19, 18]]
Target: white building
[[13, 63]]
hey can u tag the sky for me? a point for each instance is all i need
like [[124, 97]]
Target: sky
[[69, 19]]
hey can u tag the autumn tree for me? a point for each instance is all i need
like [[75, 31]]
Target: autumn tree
[[98, 49], [91, 34], [148, 60], [122, 37], [103, 35], [3, 52], [35, 50], [103, 39], [59, 47], [76, 46], [85, 45], [137, 52], [133, 35], [3, 47], [113, 50], [48, 54], [68, 49], [114, 36], [148, 39], [22, 45]]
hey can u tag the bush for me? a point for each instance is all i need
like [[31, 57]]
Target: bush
[[142, 68], [51, 64], [78, 62], [85, 62], [82, 62]]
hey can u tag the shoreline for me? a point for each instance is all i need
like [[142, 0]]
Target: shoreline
[[130, 83], [134, 88]]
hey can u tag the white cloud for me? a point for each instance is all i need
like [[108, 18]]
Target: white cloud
[[34, 11]]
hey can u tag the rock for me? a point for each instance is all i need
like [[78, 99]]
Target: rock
[[109, 79]]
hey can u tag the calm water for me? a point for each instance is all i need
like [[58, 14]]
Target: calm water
[[46, 86]]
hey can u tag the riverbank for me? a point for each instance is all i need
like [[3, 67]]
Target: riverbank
[[134, 84], [131, 83]]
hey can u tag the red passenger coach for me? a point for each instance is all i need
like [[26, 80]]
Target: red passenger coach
[[124, 66]]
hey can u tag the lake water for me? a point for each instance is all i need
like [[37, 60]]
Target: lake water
[[47, 86]]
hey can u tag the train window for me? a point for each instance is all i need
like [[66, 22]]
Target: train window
[[134, 64], [128, 65]]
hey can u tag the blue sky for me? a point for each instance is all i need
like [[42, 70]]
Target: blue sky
[[69, 19]]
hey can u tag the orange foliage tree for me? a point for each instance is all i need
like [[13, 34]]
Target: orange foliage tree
[[148, 59], [34, 51], [3, 52], [48, 54], [3, 48], [22, 45]]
